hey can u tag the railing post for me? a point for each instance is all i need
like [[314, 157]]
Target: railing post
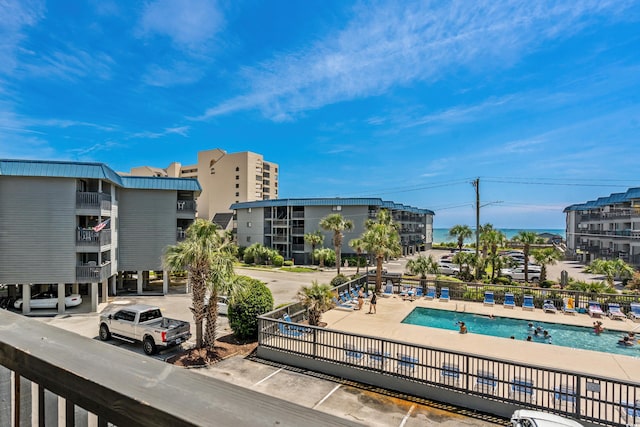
[[577, 392]]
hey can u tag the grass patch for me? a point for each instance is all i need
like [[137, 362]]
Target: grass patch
[[298, 269]]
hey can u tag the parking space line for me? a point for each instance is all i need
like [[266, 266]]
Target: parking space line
[[406, 417], [327, 396], [267, 377]]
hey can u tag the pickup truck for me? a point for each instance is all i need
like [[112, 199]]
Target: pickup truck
[[143, 323]]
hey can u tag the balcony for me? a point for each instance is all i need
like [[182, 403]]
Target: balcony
[[297, 230], [104, 385], [93, 200], [280, 239], [280, 223], [93, 273], [88, 237], [297, 247], [188, 206], [180, 234], [297, 214]]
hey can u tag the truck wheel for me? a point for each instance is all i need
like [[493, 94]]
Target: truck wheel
[[105, 335], [149, 346]]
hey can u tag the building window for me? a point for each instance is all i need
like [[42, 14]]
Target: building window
[[237, 177], [237, 169], [249, 224], [237, 185], [249, 210], [237, 194], [248, 238], [337, 208]]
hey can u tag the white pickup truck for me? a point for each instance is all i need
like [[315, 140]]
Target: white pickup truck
[[517, 273], [143, 323]]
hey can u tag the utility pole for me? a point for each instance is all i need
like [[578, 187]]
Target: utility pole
[[476, 184]]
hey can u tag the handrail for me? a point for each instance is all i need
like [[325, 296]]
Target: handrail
[[128, 389]]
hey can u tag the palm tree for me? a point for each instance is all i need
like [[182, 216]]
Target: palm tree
[[494, 239], [314, 239], [484, 241], [381, 239], [611, 269], [358, 246], [336, 223], [466, 259], [316, 299], [322, 254], [544, 257], [422, 265], [460, 232], [527, 238], [208, 257]]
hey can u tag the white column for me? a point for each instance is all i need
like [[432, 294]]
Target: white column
[[15, 406], [62, 412], [61, 305], [139, 281], [26, 298], [165, 282], [35, 418], [105, 291], [93, 292], [112, 279], [75, 288]]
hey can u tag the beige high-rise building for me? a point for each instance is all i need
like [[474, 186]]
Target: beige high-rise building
[[225, 178]]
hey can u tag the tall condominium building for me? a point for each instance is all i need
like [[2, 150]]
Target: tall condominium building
[[607, 228], [281, 224], [72, 227], [226, 178]]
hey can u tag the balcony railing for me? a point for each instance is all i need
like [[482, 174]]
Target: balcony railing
[[280, 223], [615, 214], [280, 239], [88, 237], [298, 247], [104, 385], [297, 230], [93, 273], [181, 234], [93, 200], [634, 234], [186, 206]]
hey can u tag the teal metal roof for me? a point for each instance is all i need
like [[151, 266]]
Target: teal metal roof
[[334, 201], [161, 183], [87, 170], [614, 198]]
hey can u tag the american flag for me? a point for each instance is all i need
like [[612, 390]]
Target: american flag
[[102, 225]]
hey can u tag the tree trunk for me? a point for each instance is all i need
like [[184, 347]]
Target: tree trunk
[[198, 294], [378, 273], [212, 319], [338, 258], [358, 265]]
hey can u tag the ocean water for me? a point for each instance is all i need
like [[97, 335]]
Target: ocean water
[[441, 235]]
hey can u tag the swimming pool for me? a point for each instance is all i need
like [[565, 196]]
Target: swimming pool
[[505, 327]]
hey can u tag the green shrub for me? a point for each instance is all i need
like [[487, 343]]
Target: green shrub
[[278, 260], [502, 281], [331, 259], [248, 258], [339, 280], [288, 263], [252, 300], [547, 283]]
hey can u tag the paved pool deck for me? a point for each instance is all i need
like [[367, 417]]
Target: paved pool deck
[[386, 323]]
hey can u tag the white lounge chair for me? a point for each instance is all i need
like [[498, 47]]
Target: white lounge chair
[[568, 306], [615, 313], [594, 309], [634, 311]]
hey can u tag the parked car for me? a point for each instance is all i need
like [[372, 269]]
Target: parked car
[[528, 418], [50, 300], [143, 323], [517, 273], [448, 269], [223, 305]]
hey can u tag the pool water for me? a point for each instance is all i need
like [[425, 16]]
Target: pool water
[[505, 327]]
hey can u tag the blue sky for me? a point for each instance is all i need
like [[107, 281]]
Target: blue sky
[[408, 101]]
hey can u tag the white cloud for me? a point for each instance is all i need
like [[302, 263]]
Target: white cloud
[[71, 64], [17, 17], [179, 130], [396, 44], [96, 148], [180, 73], [190, 24]]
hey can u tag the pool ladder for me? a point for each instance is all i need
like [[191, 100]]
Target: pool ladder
[[464, 308]]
